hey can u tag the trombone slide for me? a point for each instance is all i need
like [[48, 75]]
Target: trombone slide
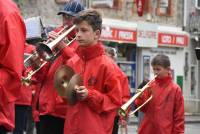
[[123, 110]]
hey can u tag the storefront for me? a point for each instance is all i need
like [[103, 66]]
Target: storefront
[[138, 43], [122, 36]]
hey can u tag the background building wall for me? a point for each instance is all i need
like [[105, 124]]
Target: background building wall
[[126, 11], [48, 9]]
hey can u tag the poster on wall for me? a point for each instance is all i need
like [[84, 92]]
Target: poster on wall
[[147, 34], [129, 69], [146, 67]]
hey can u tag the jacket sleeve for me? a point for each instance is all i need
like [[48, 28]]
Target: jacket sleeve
[[108, 101], [69, 51], [11, 55], [179, 117]]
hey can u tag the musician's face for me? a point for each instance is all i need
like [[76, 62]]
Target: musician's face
[[86, 35], [68, 20], [160, 71]]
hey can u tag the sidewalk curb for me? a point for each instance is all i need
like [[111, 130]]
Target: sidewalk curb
[[189, 119]]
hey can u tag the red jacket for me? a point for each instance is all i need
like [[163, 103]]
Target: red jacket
[[12, 40], [94, 115], [125, 88], [25, 97], [49, 101], [164, 114]]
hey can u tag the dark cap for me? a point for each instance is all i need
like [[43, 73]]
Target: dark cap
[[71, 8]]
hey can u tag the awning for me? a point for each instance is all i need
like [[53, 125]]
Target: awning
[[172, 36], [126, 32], [119, 31]]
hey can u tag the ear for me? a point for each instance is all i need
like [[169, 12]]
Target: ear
[[169, 69], [97, 34]]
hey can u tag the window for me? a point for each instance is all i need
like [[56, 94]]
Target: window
[[61, 1], [197, 4], [116, 4], [164, 8]]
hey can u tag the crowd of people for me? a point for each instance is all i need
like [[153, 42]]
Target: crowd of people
[[104, 89]]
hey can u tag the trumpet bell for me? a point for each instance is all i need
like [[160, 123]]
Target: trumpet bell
[[65, 81], [44, 51], [48, 51]]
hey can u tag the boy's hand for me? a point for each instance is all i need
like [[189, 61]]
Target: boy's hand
[[53, 35], [81, 92]]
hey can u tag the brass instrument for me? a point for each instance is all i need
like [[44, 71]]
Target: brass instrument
[[44, 53], [48, 51], [65, 81], [124, 108]]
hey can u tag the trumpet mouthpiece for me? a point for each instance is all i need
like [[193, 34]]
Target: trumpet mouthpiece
[[122, 112]]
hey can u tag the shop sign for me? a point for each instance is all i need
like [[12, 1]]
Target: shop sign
[[147, 34], [120, 35], [172, 39]]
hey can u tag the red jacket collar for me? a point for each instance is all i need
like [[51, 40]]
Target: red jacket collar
[[163, 80], [89, 52]]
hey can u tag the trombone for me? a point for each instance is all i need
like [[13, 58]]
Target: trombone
[[44, 53], [124, 108]]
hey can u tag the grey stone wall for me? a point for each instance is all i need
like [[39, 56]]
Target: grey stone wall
[[47, 9]]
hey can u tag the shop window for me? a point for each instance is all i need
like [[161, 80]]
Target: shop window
[[64, 1], [197, 4], [146, 7], [116, 4], [164, 8], [102, 3]]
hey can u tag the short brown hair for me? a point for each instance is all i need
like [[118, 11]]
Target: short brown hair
[[91, 16], [161, 60]]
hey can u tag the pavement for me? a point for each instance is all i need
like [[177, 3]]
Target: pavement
[[189, 118], [192, 118]]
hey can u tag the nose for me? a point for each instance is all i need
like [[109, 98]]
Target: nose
[[155, 72], [78, 34]]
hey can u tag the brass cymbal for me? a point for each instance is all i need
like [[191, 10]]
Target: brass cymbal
[[61, 79], [71, 91]]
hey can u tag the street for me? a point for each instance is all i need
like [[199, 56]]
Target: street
[[191, 128]]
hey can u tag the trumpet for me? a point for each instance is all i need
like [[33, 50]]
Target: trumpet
[[124, 108], [48, 51], [45, 52]]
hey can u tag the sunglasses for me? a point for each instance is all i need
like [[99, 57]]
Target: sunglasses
[[69, 17]]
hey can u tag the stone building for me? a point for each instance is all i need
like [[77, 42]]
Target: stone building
[[192, 19]]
